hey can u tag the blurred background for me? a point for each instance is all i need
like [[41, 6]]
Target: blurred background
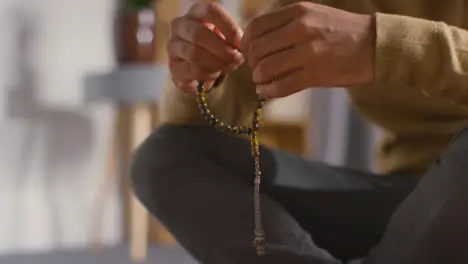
[[79, 90]]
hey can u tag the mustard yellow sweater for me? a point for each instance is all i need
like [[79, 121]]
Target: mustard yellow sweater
[[420, 92]]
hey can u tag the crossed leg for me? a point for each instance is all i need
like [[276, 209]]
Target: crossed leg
[[198, 182], [431, 225]]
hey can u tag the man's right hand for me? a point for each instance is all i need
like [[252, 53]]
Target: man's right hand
[[197, 51]]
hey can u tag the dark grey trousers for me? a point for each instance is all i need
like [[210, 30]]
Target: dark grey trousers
[[198, 183]]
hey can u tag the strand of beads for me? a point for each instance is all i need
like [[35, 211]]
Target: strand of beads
[[259, 235]]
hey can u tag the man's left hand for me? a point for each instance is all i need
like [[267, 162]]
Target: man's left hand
[[309, 45]]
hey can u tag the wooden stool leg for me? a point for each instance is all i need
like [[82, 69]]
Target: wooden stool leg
[[139, 231], [141, 126]]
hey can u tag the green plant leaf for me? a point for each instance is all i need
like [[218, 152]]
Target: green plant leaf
[[138, 4]]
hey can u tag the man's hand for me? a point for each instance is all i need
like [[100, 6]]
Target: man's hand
[[203, 45], [309, 45]]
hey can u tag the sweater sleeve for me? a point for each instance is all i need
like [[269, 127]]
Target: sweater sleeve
[[421, 54]]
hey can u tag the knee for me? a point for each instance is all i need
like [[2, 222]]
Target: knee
[[154, 163]]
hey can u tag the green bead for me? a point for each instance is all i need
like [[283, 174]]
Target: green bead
[[212, 120], [221, 126], [200, 87]]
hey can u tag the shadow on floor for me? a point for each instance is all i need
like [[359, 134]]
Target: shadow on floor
[[116, 255]]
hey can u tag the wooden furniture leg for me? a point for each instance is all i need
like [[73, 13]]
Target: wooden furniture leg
[[141, 126]]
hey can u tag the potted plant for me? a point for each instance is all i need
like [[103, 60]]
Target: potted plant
[[137, 31]]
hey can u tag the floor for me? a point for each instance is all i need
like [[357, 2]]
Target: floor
[[117, 255]]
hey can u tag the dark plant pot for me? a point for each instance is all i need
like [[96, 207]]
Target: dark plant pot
[[136, 35]]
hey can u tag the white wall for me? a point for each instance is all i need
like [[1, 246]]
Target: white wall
[[52, 147]]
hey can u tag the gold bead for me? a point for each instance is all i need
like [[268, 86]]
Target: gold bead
[[259, 112]]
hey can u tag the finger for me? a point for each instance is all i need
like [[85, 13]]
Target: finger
[[186, 71], [278, 65], [201, 36], [186, 86], [215, 14], [284, 38], [263, 24], [180, 49], [209, 84], [290, 84]]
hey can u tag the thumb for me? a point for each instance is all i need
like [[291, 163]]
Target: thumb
[[273, 90], [266, 91]]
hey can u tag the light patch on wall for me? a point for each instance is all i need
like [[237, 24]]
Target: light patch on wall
[[72, 38]]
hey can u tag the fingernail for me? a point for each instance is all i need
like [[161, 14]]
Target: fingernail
[[209, 25], [258, 90], [208, 84], [239, 58], [237, 41]]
